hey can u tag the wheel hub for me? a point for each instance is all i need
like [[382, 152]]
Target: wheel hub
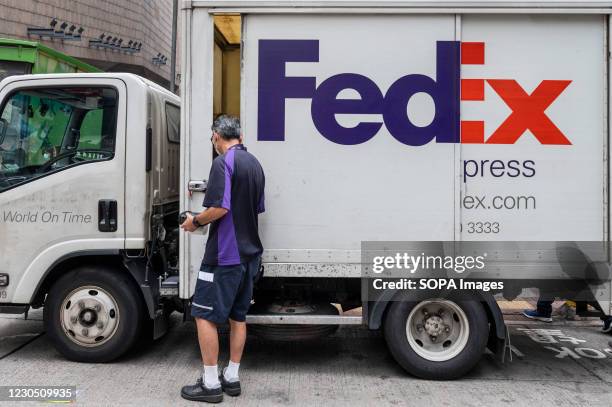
[[434, 325], [89, 316]]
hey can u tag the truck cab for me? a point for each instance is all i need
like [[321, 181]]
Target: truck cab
[[89, 172]]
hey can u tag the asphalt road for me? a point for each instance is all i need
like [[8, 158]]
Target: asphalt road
[[352, 367]]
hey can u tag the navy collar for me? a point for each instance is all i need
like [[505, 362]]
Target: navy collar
[[237, 147]]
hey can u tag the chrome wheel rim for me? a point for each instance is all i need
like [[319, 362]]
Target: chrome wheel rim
[[437, 329], [89, 316]]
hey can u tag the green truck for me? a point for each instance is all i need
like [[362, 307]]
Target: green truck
[[19, 57]]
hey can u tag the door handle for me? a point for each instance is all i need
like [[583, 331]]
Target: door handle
[[197, 186], [107, 215]]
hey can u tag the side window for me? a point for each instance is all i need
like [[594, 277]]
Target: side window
[[173, 122], [44, 130], [91, 129]]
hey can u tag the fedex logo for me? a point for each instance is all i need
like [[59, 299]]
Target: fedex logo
[[446, 91]]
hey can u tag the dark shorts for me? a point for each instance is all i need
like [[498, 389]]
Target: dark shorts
[[224, 292]]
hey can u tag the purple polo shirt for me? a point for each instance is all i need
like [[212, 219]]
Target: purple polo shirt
[[236, 183]]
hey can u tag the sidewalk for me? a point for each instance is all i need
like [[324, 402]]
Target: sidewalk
[[513, 314]]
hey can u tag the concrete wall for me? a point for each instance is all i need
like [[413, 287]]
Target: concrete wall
[[146, 21]]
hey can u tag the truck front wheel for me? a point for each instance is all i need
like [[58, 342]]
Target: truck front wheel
[[437, 338], [93, 314]]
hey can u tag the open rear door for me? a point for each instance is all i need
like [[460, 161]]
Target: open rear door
[[211, 87], [196, 114]]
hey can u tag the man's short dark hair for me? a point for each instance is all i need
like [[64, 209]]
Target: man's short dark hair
[[228, 127]]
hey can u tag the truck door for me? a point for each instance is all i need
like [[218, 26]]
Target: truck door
[[210, 90], [61, 175]]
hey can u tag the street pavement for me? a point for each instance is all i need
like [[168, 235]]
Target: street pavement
[[559, 364]]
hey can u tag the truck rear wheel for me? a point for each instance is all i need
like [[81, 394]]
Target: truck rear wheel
[[437, 338], [93, 314]]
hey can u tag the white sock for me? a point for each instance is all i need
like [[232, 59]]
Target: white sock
[[230, 373], [211, 377]]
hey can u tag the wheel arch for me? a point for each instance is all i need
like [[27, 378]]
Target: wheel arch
[[112, 259]]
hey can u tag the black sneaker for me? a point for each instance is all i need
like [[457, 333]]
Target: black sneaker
[[199, 392], [231, 388]]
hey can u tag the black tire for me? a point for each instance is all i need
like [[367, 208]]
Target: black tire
[[130, 309], [397, 342], [291, 332]]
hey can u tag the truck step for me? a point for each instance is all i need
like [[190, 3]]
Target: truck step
[[304, 319], [169, 287]]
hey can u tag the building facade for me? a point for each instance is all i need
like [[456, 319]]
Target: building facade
[[115, 35]]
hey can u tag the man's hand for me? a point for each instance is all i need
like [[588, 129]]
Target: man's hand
[[188, 225], [204, 218]]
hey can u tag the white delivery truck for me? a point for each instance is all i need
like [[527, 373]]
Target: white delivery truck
[[391, 121]]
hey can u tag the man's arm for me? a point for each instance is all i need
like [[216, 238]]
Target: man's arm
[[217, 199], [205, 217], [210, 214]]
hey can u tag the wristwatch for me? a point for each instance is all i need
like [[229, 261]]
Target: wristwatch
[[195, 222]]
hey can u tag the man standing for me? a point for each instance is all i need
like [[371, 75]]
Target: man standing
[[233, 200]]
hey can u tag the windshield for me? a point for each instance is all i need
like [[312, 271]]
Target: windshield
[[43, 130]]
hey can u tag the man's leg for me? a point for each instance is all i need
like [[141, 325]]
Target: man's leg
[[209, 341], [238, 329], [238, 332], [544, 306], [543, 309], [209, 388], [231, 381]]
